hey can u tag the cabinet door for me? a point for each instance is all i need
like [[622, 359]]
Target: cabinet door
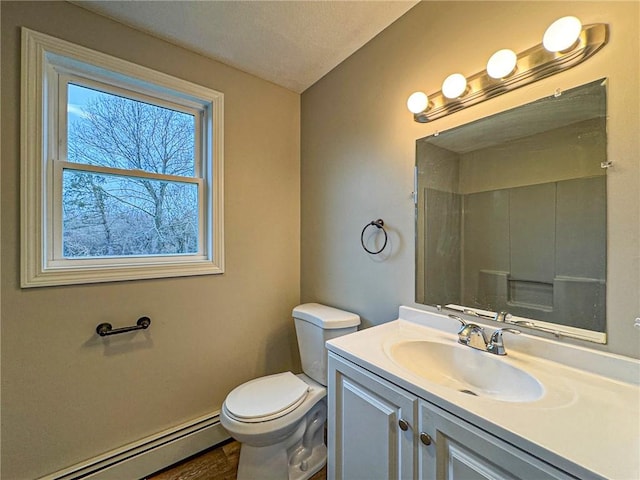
[[460, 451], [370, 426]]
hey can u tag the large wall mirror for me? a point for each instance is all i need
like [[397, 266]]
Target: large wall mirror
[[511, 215]]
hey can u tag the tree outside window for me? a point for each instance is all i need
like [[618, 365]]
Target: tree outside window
[[118, 215]]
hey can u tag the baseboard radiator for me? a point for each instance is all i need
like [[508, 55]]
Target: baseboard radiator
[[137, 460]]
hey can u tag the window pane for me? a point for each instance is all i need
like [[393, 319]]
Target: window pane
[[112, 215], [114, 131]]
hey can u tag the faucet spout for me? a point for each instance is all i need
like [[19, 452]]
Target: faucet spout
[[473, 336], [470, 334]]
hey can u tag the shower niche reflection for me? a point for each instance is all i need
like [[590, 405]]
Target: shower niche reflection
[[511, 214]]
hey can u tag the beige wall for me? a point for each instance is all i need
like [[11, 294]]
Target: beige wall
[[67, 395], [358, 146]]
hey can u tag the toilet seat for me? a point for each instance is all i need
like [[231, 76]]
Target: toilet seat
[[266, 398]]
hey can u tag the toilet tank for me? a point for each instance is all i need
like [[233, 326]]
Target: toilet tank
[[315, 324]]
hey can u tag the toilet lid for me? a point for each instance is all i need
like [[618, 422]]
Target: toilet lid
[[266, 398]]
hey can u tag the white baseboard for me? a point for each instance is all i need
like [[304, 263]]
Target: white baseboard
[[142, 458]]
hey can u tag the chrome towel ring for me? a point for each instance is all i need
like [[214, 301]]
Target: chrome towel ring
[[380, 225]]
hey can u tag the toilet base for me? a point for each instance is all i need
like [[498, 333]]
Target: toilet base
[[270, 463], [297, 457], [312, 465]]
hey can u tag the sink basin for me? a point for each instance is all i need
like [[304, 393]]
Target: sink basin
[[465, 369]]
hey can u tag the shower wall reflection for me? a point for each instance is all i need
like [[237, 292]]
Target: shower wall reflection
[[512, 216]]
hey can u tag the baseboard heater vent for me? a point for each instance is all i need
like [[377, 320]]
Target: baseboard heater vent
[[142, 458]]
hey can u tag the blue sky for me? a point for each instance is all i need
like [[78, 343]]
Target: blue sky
[[77, 98]]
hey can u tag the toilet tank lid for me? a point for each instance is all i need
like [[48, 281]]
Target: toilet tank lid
[[325, 317]]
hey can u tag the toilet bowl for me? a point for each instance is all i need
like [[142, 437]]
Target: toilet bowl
[[281, 441], [279, 419]]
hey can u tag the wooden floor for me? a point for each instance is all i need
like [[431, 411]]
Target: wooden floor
[[219, 463]]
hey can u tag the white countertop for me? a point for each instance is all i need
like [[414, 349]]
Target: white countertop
[[587, 423]]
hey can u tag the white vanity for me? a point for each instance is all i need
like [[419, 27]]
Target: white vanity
[[407, 401]]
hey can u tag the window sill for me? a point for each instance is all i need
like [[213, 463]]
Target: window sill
[[114, 273]]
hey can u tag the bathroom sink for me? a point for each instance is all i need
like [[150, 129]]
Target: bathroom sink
[[465, 369]]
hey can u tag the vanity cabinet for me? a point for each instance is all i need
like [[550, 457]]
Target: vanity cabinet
[[460, 451], [370, 425], [377, 430]]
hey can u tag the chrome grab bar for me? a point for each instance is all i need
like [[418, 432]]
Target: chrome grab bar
[[105, 329]]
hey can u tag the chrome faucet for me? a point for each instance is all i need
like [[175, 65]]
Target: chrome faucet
[[470, 334], [474, 336], [495, 344], [502, 316]]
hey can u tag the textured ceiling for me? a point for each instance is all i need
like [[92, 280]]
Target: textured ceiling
[[290, 43]]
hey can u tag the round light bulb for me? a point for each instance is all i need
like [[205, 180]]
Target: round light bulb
[[417, 102], [454, 85], [502, 63], [562, 34]]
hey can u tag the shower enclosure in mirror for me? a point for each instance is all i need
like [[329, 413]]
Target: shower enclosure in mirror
[[511, 215]]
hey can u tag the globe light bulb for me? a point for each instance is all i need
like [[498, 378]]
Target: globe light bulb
[[454, 85], [502, 63], [562, 34], [417, 102]]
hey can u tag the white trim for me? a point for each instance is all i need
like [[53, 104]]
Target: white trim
[[39, 267], [124, 90], [62, 165], [79, 57], [150, 454]]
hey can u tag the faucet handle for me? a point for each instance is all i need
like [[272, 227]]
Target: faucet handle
[[459, 319], [495, 345]]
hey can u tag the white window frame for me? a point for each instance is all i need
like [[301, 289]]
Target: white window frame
[[48, 65]]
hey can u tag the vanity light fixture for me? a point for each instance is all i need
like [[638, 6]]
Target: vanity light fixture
[[562, 34], [502, 64], [454, 86], [566, 43], [417, 102]]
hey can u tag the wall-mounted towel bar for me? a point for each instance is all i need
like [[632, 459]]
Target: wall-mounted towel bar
[[105, 329]]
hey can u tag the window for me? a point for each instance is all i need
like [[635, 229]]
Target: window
[[122, 169]]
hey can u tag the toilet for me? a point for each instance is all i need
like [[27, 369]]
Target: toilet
[[279, 419]]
